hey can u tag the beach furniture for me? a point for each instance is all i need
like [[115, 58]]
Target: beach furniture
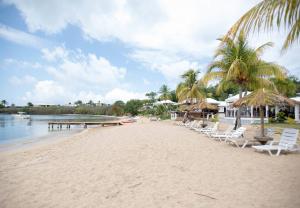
[[195, 124], [209, 129], [190, 124], [223, 134], [287, 143], [236, 137]]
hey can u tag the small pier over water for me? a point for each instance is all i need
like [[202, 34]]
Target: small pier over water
[[85, 124]]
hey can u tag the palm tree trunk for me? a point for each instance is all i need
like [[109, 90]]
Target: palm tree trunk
[[238, 122], [262, 121]]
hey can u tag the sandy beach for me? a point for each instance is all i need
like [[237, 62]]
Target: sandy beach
[[146, 164]]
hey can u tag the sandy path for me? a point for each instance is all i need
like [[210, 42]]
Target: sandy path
[[147, 165]]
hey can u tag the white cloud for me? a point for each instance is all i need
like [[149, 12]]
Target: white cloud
[[51, 92], [146, 81], [168, 64], [54, 54], [46, 91], [188, 29], [121, 94], [20, 37], [77, 70], [19, 64], [78, 76], [19, 81]]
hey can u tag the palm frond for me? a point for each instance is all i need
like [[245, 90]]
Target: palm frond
[[265, 15]]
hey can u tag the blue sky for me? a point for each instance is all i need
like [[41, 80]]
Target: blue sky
[[61, 51]]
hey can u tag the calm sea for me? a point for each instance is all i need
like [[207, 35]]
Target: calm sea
[[14, 129]]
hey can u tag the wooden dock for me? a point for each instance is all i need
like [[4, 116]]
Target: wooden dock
[[85, 124]]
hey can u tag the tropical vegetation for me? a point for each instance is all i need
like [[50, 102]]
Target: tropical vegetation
[[283, 14], [237, 64]]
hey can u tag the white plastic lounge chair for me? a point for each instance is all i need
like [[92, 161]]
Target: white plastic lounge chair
[[218, 135], [212, 131], [236, 136], [287, 143], [195, 125], [209, 129], [184, 124], [190, 124]]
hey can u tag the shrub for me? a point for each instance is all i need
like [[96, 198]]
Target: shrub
[[280, 117], [272, 120], [215, 119], [290, 121]]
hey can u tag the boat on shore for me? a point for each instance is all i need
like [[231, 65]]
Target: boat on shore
[[21, 115]]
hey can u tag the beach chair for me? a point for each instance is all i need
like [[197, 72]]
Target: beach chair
[[184, 123], [191, 124], [213, 130], [236, 137], [195, 125], [219, 135], [209, 129], [287, 143]]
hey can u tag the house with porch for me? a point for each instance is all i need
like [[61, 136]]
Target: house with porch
[[250, 114]]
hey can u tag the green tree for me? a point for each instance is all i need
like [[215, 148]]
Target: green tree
[[296, 81], [164, 92], [173, 96], [263, 16], [237, 64], [133, 106], [91, 103], [285, 86], [118, 108], [190, 88], [151, 96], [78, 103], [29, 104], [4, 102]]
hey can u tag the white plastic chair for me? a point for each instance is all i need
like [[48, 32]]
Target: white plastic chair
[[287, 143]]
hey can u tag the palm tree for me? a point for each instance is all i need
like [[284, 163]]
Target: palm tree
[[266, 14], [4, 102], [190, 88], [164, 92], [238, 64], [151, 96]]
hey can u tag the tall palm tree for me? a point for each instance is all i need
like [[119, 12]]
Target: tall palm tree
[[238, 64], [266, 14], [151, 96], [4, 102], [165, 93], [190, 88]]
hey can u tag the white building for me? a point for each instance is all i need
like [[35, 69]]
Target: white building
[[297, 108], [250, 114]]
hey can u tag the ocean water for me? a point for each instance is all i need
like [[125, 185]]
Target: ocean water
[[18, 130]]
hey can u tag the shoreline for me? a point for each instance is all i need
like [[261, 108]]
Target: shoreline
[[147, 164]]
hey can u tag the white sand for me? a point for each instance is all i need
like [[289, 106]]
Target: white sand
[[150, 164]]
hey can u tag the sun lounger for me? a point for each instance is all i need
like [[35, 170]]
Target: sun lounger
[[195, 125], [188, 125], [236, 137], [209, 129], [287, 143], [218, 135]]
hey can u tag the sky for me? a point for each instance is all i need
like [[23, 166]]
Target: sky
[[56, 52]]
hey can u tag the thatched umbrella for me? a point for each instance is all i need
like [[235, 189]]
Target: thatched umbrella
[[261, 98], [205, 105]]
